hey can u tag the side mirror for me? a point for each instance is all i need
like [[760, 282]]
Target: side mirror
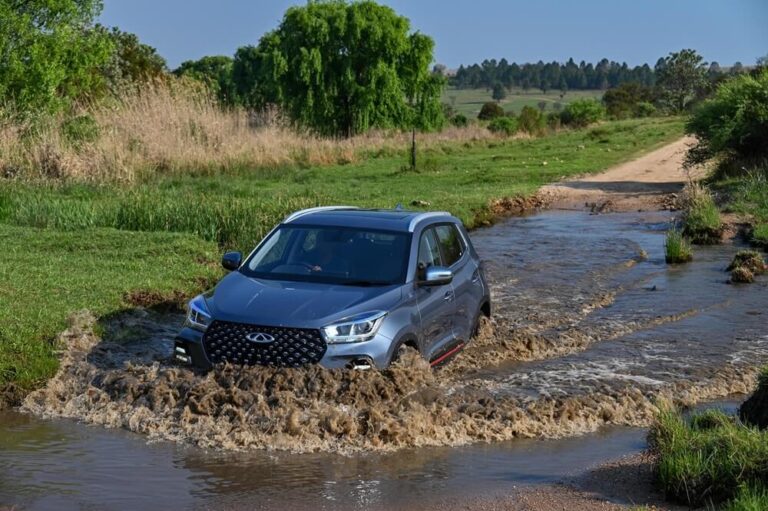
[[231, 260], [437, 276]]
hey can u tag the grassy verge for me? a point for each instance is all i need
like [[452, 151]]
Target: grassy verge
[[714, 459], [73, 246], [749, 196], [46, 274]]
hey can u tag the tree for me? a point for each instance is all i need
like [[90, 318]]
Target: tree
[[342, 69], [623, 101], [679, 77], [499, 92], [132, 62], [215, 72], [490, 110], [50, 53], [542, 105]]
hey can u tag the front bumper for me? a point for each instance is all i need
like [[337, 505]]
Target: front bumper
[[188, 350]]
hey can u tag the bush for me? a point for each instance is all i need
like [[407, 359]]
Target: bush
[[677, 248], [734, 123], [701, 218], [624, 101], [707, 461], [503, 126], [490, 110], [553, 120], [460, 121], [531, 120], [80, 130], [645, 109], [582, 112]]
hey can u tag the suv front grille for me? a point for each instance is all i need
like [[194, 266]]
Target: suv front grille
[[291, 347]]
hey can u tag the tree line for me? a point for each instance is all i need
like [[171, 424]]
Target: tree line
[[605, 74]]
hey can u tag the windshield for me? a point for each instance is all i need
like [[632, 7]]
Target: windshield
[[338, 255]]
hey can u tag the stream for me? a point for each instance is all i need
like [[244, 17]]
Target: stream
[[591, 328]]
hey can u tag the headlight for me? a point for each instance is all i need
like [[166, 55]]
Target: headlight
[[198, 316], [354, 329]]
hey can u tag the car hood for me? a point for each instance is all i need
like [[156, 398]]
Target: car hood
[[244, 299]]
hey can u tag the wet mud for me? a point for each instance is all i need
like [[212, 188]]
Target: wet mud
[[590, 328]]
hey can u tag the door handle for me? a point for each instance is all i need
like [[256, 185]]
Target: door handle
[[448, 296], [476, 277]]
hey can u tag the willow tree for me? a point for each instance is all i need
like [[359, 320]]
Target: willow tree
[[343, 68]]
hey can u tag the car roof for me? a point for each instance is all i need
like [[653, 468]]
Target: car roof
[[348, 216]]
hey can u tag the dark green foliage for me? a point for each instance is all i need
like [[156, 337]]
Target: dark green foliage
[[459, 120], [343, 68], [582, 112], [531, 120], [215, 72], [499, 92], [551, 75], [490, 110], [79, 130], [50, 54], [132, 62], [624, 101], [754, 410], [679, 76], [734, 123], [503, 126]]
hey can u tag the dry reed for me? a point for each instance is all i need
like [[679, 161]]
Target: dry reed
[[175, 128]]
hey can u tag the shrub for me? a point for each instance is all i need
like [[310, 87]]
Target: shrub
[[460, 121], [503, 126], [80, 130], [677, 248], [734, 123], [490, 110], [701, 218], [531, 120], [625, 100], [645, 109], [553, 120], [582, 112]]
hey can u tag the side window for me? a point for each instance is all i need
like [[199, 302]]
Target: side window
[[450, 243], [429, 252]]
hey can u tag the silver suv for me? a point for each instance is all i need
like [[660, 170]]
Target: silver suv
[[342, 287]]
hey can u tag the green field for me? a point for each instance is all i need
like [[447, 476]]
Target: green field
[[469, 101], [68, 247]]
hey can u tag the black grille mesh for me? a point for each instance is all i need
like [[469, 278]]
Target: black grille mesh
[[292, 347]]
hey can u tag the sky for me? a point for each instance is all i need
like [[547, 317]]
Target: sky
[[632, 31]]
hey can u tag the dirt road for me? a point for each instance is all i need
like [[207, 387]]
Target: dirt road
[[641, 184]]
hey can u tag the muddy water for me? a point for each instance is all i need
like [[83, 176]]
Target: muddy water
[[591, 328]]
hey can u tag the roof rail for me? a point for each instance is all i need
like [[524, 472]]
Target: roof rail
[[418, 218], [293, 216]]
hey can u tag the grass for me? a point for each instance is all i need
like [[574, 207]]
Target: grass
[[701, 216], [709, 459], [749, 196], [48, 274], [469, 101], [73, 245], [235, 207], [677, 248]]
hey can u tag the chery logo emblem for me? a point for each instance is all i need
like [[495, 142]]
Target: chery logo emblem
[[260, 337]]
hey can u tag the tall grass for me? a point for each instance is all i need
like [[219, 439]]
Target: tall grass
[[701, 217], [677, 248], [177, 128], [706, 460]]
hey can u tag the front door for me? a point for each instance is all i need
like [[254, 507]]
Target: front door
[[436, 303]]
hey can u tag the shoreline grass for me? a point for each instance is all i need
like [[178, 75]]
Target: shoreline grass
[[72, 246], [677, 248]]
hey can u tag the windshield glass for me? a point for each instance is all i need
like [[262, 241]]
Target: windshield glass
[[339, 255]]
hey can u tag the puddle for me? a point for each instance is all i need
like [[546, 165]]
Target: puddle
[[591, 327]]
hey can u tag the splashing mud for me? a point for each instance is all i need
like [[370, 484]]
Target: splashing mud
[[590, 328]]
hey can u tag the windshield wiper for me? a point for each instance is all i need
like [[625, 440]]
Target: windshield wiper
[[365, 283]]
